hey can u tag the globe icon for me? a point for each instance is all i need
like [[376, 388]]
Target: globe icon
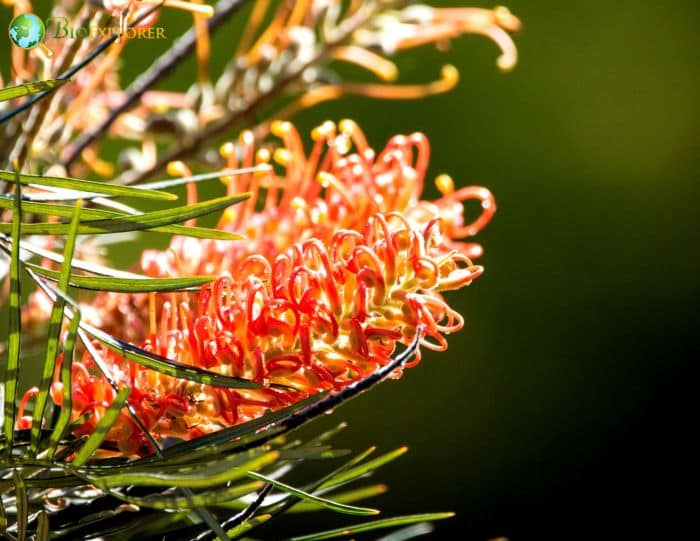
[[27, 31]]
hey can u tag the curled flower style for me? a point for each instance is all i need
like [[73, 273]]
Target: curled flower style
[[343, 261], [331, 188]]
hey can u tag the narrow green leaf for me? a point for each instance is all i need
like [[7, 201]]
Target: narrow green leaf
[[348, 496], [26, 89], [77, 263], [202, 477], [328, 434], [167, 366], [247, 525], [54, 331], [172, 182], [66, 211], [126, 285], [63, 420], [70, 195], [409, 532], [362, 469], [328, 504], [312, 453], [88, 186], [320, 484], [374, 525], [139, 222], [203, 499], [223, 440], [3, 519], [42, 530], [46, 483], [103, 426], [22, 508], [150, 360], [15, 326]]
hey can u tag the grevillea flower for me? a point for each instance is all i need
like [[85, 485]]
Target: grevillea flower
[[343, 261]]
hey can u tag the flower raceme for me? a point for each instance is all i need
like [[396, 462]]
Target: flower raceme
[[343, 261]]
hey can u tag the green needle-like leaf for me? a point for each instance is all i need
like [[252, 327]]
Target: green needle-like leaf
[[347, 496], [3, 518], [226, 439], [54, 332], [409, 532], [66, 211], [167, 366], [202, 499], [220, 472], [30, 88], [125, 285], [42, 530], [63, 420], [13, 341], [358, 471], [246, 525], [87, 186], [328, 504], [22, 508], [147, 359], [103, 426], [374, 525], [139, 222]]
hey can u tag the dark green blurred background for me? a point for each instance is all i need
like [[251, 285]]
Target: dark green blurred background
[[560, 410]]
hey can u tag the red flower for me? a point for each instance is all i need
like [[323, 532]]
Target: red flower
[[342, 262]]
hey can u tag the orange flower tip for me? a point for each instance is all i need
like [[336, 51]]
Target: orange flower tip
[[178, 169], [227, 150], [247, 137], [280, 128], [298, 203], [229, 215], [450, 75], [262, 156], [390, 72], [486, 197], [326, 179], [343, 144], [347, 126], [327, 129], [282, 156], [506, 20], [445, 184], [505, 63]]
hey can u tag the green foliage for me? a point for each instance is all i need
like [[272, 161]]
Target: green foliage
[[13, 349], [200, 482], [26, 89]]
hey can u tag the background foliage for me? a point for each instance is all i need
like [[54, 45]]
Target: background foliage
[[552, 412]]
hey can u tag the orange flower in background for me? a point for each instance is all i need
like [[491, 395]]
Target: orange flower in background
[[343, 260]]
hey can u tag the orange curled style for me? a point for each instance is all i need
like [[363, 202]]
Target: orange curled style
[[343, 262]]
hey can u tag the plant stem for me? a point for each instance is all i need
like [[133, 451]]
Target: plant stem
[[160, 68]]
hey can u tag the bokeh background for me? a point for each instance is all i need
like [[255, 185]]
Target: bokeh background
[[561, 411]]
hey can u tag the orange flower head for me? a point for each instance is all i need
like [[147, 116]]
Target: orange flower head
[[343, 261]]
